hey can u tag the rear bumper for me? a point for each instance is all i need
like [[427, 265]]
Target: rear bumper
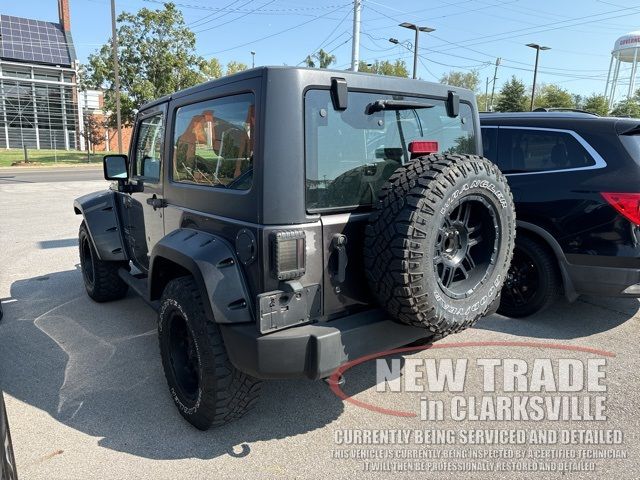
[[314, 351], [605, 281]]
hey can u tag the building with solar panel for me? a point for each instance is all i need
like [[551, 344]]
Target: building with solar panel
[[39, 105]]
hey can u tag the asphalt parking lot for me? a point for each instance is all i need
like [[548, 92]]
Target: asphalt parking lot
[[87, 398]]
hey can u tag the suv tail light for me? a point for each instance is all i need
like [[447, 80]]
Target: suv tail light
[[288, 254], [627, 204]]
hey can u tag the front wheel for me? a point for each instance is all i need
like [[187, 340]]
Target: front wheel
[[532, 283], [101, 278], [207, 389]]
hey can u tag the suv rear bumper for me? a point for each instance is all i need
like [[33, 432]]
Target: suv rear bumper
[[314, 351], [605, 281]]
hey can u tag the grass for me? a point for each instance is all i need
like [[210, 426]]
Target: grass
[[49, 157]]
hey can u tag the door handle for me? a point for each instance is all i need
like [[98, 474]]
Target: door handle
[[339, 246], [156, 202]]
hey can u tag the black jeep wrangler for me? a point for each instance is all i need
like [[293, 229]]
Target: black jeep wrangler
[[284, 220]]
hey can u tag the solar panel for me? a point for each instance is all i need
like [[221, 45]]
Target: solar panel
[[34, 41]]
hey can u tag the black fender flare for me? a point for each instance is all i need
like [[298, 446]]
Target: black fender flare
[[214, 266], [569, 289], [101, 217]]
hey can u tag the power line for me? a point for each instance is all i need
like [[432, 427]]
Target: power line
[[215, 15], [234, 19], [239, 9], [322, 44], [276, 33]]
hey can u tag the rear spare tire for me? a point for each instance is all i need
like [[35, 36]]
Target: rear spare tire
[[439, 243]]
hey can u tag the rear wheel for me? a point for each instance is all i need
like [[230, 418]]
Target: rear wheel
[[101, 278], [207, 389], [532, 283]]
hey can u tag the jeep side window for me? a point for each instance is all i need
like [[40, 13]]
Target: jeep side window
[[213, 142], [149, 148], [350, 155], [526, 150]]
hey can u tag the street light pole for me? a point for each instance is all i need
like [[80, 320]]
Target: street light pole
[[253, 59], [116, 73], [535, 69], [417, 29]]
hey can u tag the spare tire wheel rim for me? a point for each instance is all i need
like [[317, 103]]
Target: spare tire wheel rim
[[467, 246]]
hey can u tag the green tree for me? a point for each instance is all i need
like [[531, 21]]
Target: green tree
[[578, 101], [512, 97], [629, 107], [395, 69], [211, 69], [93, 132], [235, 67], [469, 80], [597, 104], [323, 59], [155, 56], [553, 96]]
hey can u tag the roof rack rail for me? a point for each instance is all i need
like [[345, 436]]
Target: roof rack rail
[[559, 109]]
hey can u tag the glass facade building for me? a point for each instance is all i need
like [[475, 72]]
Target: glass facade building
[[39, 107]]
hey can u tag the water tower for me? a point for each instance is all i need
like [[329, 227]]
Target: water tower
[[626, 50]]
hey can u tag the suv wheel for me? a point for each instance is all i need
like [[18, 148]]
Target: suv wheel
[[101, 278], [532, 282], [440, 241], [207, 389]]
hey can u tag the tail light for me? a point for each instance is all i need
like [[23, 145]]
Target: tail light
[[627, 204], [288, 254]]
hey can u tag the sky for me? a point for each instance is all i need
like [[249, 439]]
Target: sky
[[469, 34]]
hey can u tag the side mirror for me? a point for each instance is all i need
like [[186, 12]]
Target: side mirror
[[115, 167]]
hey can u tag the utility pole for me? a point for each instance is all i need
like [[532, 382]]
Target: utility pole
[[355, 41], [493, 87], [417, 29], [486, 96], [535, 69], [116, 73]]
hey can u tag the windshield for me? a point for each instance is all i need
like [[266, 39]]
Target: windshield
[[350, 154]]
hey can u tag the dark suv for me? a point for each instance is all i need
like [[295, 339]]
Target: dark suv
[[270, 214], [575, 179]]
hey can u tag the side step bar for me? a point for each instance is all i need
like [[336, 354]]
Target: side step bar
[[140, 285]]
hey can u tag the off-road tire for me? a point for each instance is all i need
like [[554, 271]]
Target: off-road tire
[[404, 232], [547, 280], [100, 277], [222, 392]]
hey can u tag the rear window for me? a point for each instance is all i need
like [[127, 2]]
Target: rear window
[[522, 150], [349, 154]]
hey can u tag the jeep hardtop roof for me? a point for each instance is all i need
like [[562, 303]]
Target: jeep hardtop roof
[[322, 77]]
